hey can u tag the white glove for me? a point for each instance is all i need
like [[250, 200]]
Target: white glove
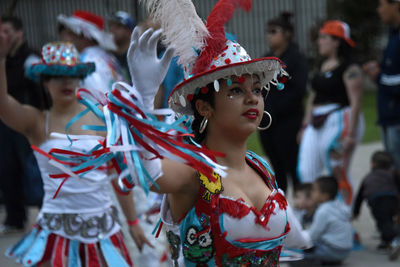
[[146, 69]]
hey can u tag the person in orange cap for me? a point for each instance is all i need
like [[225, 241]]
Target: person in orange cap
[[332, 125]]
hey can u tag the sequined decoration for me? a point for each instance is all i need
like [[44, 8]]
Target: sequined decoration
[[60, 53], [175, 246], [210, 186], [74, 224], [251, 259], [216, 86], [229, 82], [198, 245], [204, 220]]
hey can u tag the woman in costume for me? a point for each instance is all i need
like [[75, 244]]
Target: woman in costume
[[76, 225], [220, 208], [234, 218], [332, 124], [285, 106]]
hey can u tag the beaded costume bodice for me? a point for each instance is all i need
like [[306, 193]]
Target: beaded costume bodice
[[222, 231]]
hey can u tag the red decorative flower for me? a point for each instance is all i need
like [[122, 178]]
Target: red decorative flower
[[204, 90]]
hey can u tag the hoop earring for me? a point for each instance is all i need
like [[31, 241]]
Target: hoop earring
[[203, 125], [269, 124]]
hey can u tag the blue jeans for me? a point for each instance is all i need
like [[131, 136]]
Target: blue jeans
[[391, 140]]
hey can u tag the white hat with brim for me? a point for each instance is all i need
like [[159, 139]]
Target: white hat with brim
[[233, 61]]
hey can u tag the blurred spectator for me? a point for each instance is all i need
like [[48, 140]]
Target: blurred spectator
[[304, 205], [333, 124], [331, 230], [379, 189], [121, 25], [15, 148], [388, 78], [86, 31], [285, 106]]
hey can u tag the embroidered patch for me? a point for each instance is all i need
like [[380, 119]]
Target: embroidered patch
[[198, 245], [211, 187], [175, 246], [267, 259]]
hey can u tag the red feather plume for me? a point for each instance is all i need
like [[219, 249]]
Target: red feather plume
[[215, 43]]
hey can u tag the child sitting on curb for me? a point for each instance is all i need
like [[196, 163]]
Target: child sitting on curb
[[331, 230]]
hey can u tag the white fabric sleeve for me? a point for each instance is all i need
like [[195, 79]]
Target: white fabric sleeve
[[297, 237]]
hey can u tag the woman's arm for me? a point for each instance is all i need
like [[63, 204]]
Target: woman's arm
[[128, 208], [353, 81], [21, 118], [176, 178]]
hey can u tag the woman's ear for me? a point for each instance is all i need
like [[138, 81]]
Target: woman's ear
[[203, 108]]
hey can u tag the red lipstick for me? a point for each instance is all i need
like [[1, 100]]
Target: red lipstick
[[251, 113]]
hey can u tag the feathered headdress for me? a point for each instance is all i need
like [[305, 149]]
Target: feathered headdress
[[204, 51], [182, 27], [215, 41]]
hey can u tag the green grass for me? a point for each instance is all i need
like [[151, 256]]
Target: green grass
[[369, 109], [371, 133]]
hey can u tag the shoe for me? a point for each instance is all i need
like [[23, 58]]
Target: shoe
[[9, 229], [394, 250], [383, 245], [331, 263]]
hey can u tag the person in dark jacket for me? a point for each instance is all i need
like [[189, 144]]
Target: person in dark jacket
[[285, 106], [14, 147], [387, 77], [378, 187]]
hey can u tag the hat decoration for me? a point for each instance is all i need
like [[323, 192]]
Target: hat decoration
[[213, 57], [89, 25], [60, 59]]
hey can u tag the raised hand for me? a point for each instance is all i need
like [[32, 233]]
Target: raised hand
[[146, 69]]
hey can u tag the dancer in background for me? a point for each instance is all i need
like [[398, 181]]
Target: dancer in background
[[77, 224], [86, 31]]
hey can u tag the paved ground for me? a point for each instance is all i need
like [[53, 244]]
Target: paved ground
[[368, 257]]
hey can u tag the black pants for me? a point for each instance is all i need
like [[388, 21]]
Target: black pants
[[280, 145], [14, 149], [383, 209]]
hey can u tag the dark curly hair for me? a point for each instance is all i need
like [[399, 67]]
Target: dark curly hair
[[207, 97]]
